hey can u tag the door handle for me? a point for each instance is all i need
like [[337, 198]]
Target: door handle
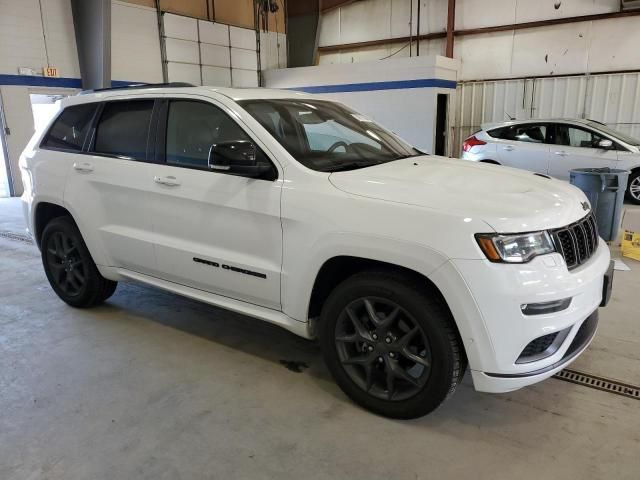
[[562, 153], [169, 181], [508, 148], [83, 167]]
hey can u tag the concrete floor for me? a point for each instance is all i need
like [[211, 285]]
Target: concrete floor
[[154, 386]]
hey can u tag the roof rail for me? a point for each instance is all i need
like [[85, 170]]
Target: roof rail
[[138, 86]]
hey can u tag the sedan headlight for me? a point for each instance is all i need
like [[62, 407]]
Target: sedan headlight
[[518, 248]]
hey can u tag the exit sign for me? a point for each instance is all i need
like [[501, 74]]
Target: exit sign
[[50, 72]]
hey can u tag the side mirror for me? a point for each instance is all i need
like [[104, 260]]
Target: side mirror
[[237, 157], [605, 143]]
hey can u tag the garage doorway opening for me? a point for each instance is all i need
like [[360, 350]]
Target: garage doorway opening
[[5, 173], [441, 124], [44, 108]]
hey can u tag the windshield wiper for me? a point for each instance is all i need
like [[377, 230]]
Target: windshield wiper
[[350, 166]]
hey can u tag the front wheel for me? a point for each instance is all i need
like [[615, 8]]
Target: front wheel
[[633, 187], [69, 267], [390, 346]]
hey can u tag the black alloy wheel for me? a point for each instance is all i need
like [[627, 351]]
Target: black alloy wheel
[[69, 270], [391, 343], [382, 348]]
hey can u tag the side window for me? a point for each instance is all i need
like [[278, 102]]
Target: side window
[[70, 128], [576, 137], [123, 129], [530, 133], [521, 133], [192, 127]]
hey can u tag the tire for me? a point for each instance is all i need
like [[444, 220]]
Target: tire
[[432, 356], [633, 187], [71, 271]]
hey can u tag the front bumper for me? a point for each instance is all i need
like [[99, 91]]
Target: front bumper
[[486, 299], [505, 382]]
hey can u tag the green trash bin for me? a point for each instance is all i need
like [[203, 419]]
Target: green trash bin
[[605, 188]]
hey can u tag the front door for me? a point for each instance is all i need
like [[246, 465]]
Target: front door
[[524, 146], [215, 232], [576, 147]]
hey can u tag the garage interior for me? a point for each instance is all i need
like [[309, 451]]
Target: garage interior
[[154, 385]]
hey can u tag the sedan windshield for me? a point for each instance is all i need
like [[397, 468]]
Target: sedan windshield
[[615, 133], [327, 136]]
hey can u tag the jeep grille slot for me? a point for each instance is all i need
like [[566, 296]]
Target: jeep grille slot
[[577, 242]]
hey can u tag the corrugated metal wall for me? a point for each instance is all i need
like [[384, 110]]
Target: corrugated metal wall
[[610, 98]]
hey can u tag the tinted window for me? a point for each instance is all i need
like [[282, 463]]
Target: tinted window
[[70, 128], [192, 127], [521, 133], [576, 137], [123, 129], [327, 136]]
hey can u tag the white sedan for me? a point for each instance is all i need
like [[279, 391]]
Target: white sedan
[[554, 147]]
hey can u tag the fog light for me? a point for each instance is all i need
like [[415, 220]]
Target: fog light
[[545, 307]]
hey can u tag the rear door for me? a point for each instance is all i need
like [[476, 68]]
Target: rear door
[[110, 186], [523, 146], [576, 147], [214, 231]]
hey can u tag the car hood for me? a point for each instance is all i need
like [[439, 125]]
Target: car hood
[[507, 199]]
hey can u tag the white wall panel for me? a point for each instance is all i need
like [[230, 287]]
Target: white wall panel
[[183, 72], [22, 36], [550, 51], [329, 28], [403, 15], [242, 38], [485, 56], [181, 51], [215, 55], [215, 33], [178, 26], [546, 9], [483, 13], [216, 76], [244, 78], [244, 59], [362, 21], [60, 37], [614, 44], [135, 43], [433, 16]]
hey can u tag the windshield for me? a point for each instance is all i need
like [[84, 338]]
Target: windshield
[[327, 136], [614, 133]]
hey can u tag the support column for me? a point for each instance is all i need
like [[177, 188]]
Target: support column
[[451, 25], [92, 24]]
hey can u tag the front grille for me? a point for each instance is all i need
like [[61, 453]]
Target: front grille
[[577, 242], [536, 347]]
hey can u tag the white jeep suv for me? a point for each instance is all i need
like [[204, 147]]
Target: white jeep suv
[[554, 147], [305, 214]]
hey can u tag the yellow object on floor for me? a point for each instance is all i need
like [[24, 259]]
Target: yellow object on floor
[[631, 244]]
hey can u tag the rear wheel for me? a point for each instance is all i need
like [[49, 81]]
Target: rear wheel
[[633, 187], [69, 267], [390, 346]]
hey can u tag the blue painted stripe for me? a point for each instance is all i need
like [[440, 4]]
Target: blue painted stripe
[[372, 86], [61, 82]]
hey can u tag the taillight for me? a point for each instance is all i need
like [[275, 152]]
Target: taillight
[[472, 142]]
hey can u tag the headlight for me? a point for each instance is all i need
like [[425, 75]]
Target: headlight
[[519, 248]]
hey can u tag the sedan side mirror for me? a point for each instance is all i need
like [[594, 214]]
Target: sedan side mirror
[[605, 143], [238, 157]]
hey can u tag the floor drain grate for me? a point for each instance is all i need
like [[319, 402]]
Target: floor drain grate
[[599, 383], [17, 236]]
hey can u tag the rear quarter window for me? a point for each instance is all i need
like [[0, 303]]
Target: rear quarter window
[[69, 130]]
